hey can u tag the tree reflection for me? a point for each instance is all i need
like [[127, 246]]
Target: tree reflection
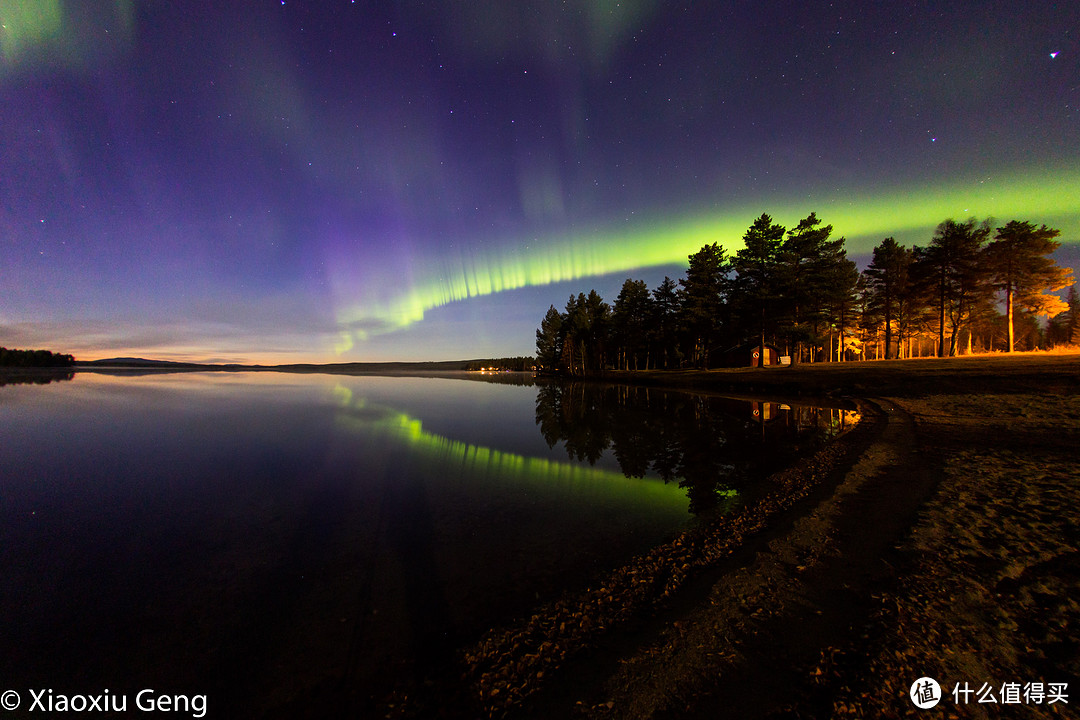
[[713, 447], [34, 377]]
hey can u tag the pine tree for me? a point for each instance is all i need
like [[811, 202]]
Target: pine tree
[[549, 340], [754, 288], [840, 296], [630, 319], [1020, 269], [702, 299], [665, 322], [950, 268], [805, 263], [888, 281], [1073, 327], [1064, 328]]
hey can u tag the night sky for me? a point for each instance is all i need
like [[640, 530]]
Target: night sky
[[336, 181]]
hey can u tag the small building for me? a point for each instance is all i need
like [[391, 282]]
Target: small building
[[749, 355]]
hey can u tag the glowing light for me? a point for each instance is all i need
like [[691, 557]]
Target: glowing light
[[25, 25], [42, 33], [1052, 196], [488, 466]]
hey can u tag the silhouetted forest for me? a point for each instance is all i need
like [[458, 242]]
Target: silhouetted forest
[[792, 295], [709, 445], [513, 364], [35, 378], [34, 358]]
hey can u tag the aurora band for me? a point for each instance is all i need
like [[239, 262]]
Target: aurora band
[[1052, 196]]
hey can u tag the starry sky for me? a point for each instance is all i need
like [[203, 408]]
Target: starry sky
[[288, 181]]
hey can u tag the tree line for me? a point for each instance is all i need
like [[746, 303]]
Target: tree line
[[971, 288], [34, 358], [706, 444], [513, 364]]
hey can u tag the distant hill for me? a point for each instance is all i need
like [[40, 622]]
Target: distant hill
[[142, 362], [440, 366]]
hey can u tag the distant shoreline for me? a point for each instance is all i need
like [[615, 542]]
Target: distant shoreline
[[43, 375], [289, 367], [987, 373]]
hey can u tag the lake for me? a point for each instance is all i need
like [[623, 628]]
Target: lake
[[279, 542]]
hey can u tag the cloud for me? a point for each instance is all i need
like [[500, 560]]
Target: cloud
[[180, 340]]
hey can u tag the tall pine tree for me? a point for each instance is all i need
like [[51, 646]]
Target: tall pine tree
[[631, 317], [666, 321], [755, 284], [702, 299], [888, 283], [951, 268], [1020, 269], [807, 260], [549, 341]]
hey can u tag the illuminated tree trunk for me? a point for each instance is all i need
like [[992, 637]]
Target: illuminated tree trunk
[[941, 318], [1009, 317], [761, 355]]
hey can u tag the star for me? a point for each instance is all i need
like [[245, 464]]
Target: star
[[601, 157]]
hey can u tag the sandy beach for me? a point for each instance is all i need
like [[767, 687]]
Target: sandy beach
[[938, 539]]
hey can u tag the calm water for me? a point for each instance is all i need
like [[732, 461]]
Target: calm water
[[276, 540]]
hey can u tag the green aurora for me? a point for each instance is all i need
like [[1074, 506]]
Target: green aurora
[[910, 215], [488, 469]]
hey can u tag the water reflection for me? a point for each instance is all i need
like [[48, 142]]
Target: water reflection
[[713, 447], [486, 468], [473, 530], [275, 539], [32, 377]]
